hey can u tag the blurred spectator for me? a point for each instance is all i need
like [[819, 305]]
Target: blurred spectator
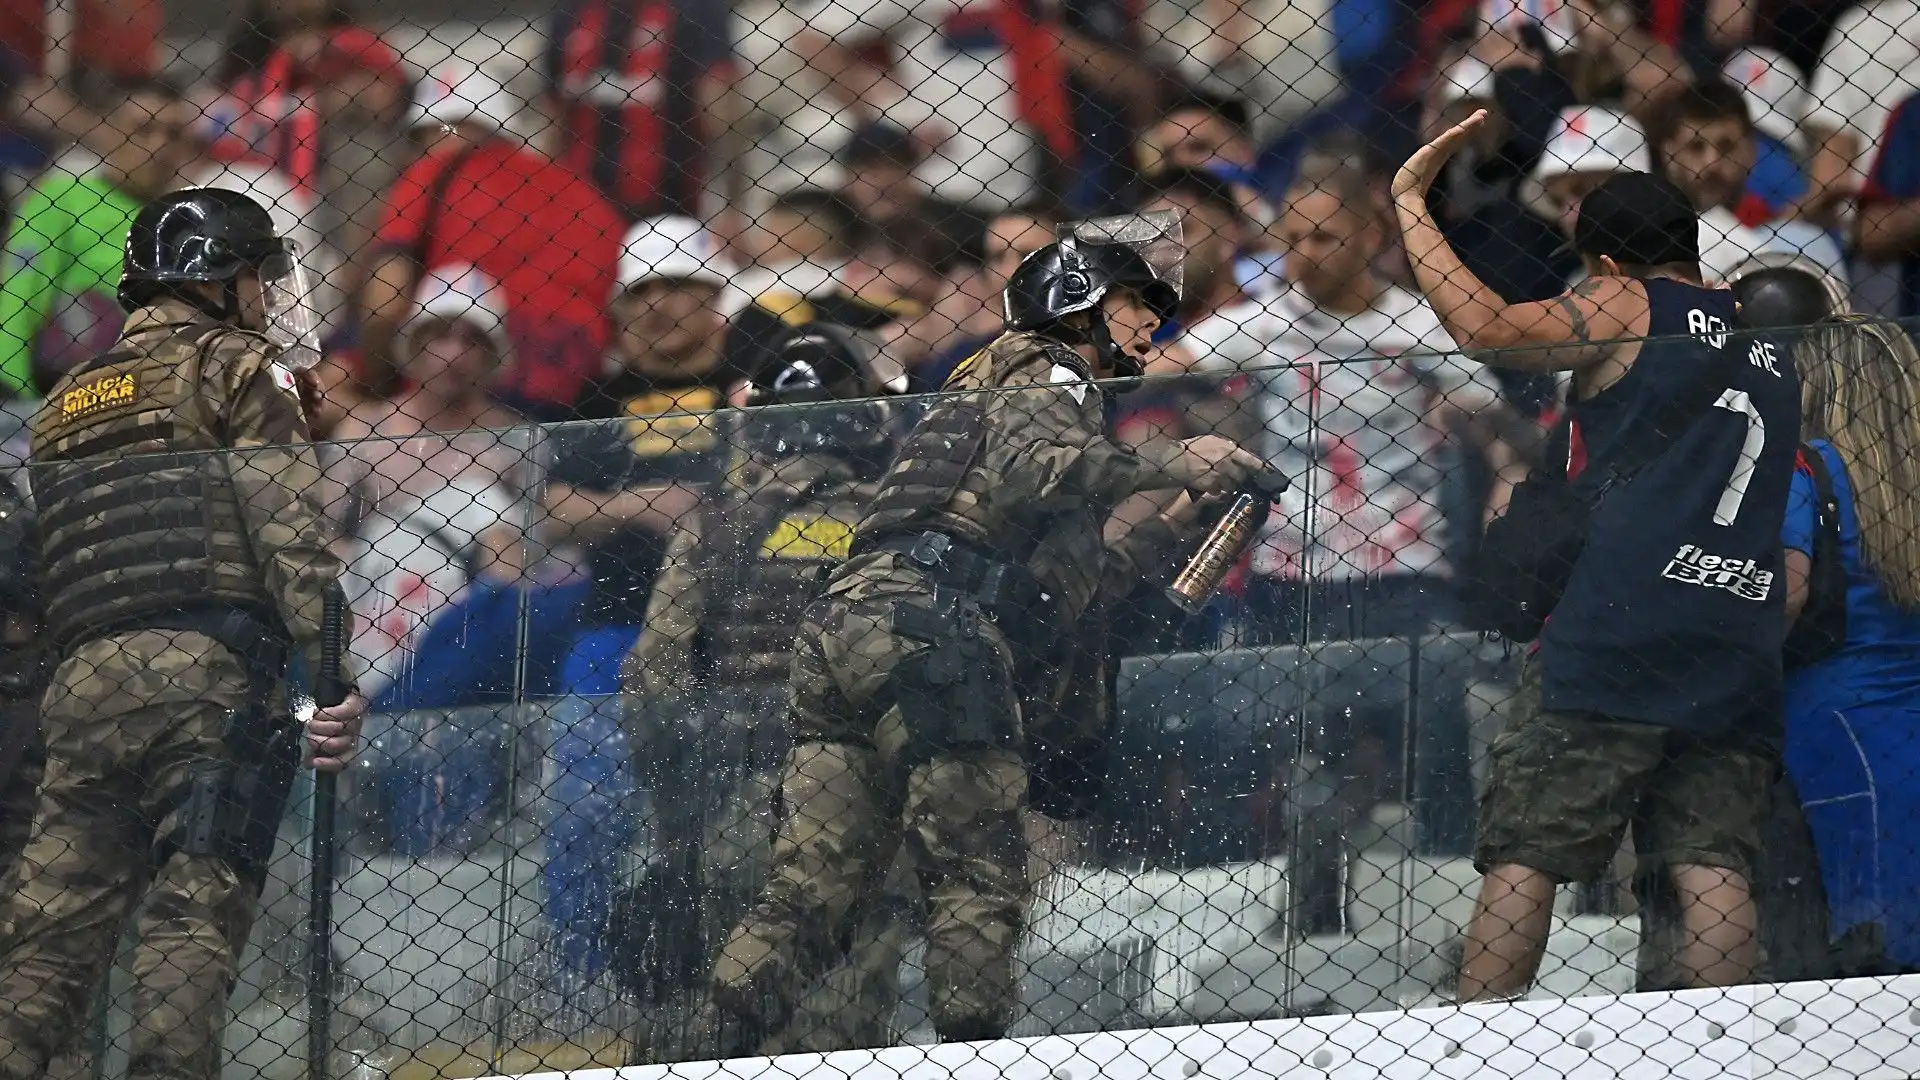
[[1212, 228], [1213, 137], [1520, 255], [1852, 747], [118, 39], [642, 87], [64, 246], [977, 308], [431, 500], [1013, 236], [1278, 56], [1198, 132], [1870, 64], [888, 280], [1776, 99], [1588, 144], [280, 110], [25, 142], [270, 28], [1888, 227], [1355, 381], [884, 186], [362, 102], [978, 107], [541, 231], [1706, 145], [799, 244], [313, 130], [961, 317], [1646, 68], [617, 487]]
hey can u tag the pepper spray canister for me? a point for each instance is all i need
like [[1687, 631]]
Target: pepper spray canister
[[1232, 533]]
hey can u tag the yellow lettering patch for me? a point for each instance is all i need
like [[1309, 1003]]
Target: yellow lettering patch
[[809, 537], [107, 393], [664, 424], [961, 370]]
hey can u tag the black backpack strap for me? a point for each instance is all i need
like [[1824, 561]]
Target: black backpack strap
[[1821, 628], [1828, 504]]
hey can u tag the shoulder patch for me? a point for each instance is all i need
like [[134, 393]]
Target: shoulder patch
[[809, 536], [1075, 383], [963, 369], [113, 391]]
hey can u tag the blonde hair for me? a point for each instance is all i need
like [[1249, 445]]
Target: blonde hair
[[1860, 391]]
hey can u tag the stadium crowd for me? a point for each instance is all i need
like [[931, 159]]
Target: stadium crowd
[[537, 279], [617, 232]]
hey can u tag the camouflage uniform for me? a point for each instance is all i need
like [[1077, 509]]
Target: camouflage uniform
[[907, 684], [172, 564], [718, 644]]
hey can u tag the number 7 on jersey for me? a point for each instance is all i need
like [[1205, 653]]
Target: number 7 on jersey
[[1736, 490]]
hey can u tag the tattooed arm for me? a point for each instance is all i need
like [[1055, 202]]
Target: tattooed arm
[[1574, 331]]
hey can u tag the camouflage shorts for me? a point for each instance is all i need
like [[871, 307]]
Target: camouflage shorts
[[1563, 788]]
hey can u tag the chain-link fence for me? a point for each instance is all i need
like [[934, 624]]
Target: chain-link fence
[[1356, 610]]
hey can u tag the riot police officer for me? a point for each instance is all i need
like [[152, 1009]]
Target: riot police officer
[[976, 560], [184, 562], [706, 684]]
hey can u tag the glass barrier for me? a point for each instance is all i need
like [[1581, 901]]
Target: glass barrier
[[572, 774]]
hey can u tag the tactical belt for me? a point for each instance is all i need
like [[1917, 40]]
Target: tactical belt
[[1005, 591], [260, 641]]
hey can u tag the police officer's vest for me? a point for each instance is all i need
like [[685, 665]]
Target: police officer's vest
[[763, 546], [140, 522], [932, 469]]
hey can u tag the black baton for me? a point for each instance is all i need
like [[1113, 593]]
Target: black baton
[[329, 689]]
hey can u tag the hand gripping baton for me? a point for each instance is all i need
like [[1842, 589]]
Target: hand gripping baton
[[329, 689]]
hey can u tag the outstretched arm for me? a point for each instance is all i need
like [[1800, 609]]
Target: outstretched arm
[[1570, 332]]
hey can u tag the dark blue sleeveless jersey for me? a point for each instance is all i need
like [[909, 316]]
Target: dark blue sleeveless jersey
[[1675, 614]]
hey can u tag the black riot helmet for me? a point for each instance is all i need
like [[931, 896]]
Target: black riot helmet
[[807, 369], [201, 235], [1778, 290], [212, 236], [1089, 260], [822, 362]]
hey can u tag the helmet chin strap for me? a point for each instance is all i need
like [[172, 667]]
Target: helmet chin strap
[[1123, 364], [228, 310]]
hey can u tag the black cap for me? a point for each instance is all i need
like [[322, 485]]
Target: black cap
[[878, 142], [1638, 219]]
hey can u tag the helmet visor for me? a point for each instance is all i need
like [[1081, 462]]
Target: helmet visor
[[288, 293], [1155, 237]]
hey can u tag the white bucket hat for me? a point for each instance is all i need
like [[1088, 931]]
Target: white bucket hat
[[1586, 139], [1776, 95], [462, 292], [453, 97]]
